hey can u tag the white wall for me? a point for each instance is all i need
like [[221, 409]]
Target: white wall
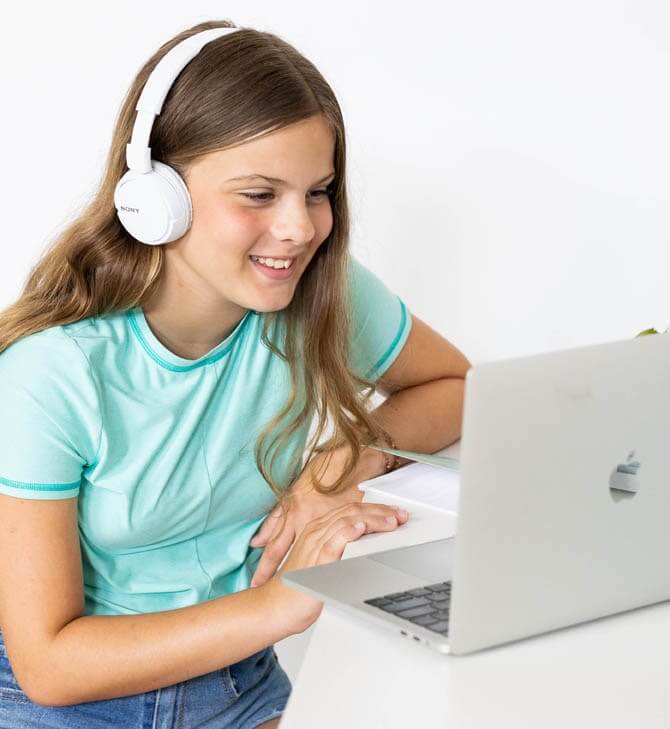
[[508, 161]]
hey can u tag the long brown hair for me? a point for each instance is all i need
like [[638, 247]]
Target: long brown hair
[[239, 86]]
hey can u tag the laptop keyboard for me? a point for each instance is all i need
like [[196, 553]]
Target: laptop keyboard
[[426, 606]]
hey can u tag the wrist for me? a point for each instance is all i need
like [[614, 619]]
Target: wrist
[[372, 463], [392, 461], [285, 606], [273, 598]]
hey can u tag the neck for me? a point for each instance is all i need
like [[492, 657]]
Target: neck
[[187, 318]]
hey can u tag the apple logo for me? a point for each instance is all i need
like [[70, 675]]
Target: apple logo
[[624, 480]]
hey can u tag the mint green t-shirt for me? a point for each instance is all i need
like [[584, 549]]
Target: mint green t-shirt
[[159, 449]]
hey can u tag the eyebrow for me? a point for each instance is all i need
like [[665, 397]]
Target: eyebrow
[[273, 179]]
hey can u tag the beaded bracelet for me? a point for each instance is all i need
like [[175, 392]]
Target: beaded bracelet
[[392, 460]]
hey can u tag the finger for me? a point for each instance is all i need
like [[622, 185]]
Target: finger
[[370, 510], [333, 548], [392, 514], [267, 528], [309, 544], [273, 555], [372, 522], [331, 539]]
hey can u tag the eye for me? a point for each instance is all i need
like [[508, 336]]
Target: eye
[[266, 196]]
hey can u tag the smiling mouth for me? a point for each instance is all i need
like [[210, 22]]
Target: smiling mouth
[[276, 258], [286, 262]]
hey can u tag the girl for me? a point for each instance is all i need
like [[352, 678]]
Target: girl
[[157, 400]]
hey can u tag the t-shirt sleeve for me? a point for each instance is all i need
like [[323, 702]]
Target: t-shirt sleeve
[[49, 416], [381, 323]]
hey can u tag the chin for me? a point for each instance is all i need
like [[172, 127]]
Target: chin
[[267, 308], [269, 303]]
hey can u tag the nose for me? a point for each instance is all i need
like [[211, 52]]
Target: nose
[[293, 223]]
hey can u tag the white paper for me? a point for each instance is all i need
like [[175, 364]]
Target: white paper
[[420, 484]]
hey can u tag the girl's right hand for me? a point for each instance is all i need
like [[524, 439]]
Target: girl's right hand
[[321, 541]]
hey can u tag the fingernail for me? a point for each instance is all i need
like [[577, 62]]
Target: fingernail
[[391, 520], [402, 512]]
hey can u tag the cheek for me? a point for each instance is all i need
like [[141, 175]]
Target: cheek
[[323, 223], [227, 223], [232, 231], [226, 230]]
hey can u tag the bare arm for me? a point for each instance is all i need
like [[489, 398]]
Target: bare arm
[[60, 656], [102, 657], [425, 386]]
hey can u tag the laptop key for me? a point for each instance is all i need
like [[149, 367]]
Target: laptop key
[[442, 614], [425, 620], [398, 596], [405, 605], [379, 602], [420, 592], [439, 596], [440, 604], [415, 612], [439, 627], [439, 586]]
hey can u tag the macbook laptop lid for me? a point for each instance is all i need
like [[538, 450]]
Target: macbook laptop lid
[[565, 502]]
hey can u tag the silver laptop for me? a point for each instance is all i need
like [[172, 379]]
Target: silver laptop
[[564, 512]]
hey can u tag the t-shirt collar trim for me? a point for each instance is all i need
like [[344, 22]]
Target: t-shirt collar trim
[[168, 359]]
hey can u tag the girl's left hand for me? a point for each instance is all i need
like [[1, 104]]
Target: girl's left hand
[[303, 503]]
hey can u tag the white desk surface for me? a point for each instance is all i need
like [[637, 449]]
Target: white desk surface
[[612, 673]]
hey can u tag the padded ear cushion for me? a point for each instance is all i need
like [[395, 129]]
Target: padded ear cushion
[[154, 207]]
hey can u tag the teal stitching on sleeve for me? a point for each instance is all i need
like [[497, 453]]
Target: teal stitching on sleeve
[[394, 343], [40, 486]]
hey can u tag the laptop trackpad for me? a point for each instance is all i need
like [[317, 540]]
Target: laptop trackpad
[[431, 561]]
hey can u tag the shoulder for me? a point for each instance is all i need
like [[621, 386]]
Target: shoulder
[[66, 351], [52, 417], [381, 321], [358, 274], [367, 289], [50, 350], [48, 369]]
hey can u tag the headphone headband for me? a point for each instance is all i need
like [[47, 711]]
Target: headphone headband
[[151, 199], [156, 88]]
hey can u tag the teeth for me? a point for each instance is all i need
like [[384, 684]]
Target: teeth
[[273, 262]]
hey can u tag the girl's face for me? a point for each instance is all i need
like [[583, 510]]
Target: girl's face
[[234, 219]]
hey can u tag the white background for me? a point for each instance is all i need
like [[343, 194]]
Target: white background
[[508, 161]]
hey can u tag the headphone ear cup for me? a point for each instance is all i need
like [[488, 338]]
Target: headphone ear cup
[[154, 207]]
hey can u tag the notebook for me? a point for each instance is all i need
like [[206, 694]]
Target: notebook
[[433, 482]]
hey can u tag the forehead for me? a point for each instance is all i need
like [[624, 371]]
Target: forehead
[[302, 150]]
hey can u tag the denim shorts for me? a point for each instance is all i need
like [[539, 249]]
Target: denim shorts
[[241, 696]]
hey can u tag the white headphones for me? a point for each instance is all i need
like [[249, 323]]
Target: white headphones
[[151, 199]]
